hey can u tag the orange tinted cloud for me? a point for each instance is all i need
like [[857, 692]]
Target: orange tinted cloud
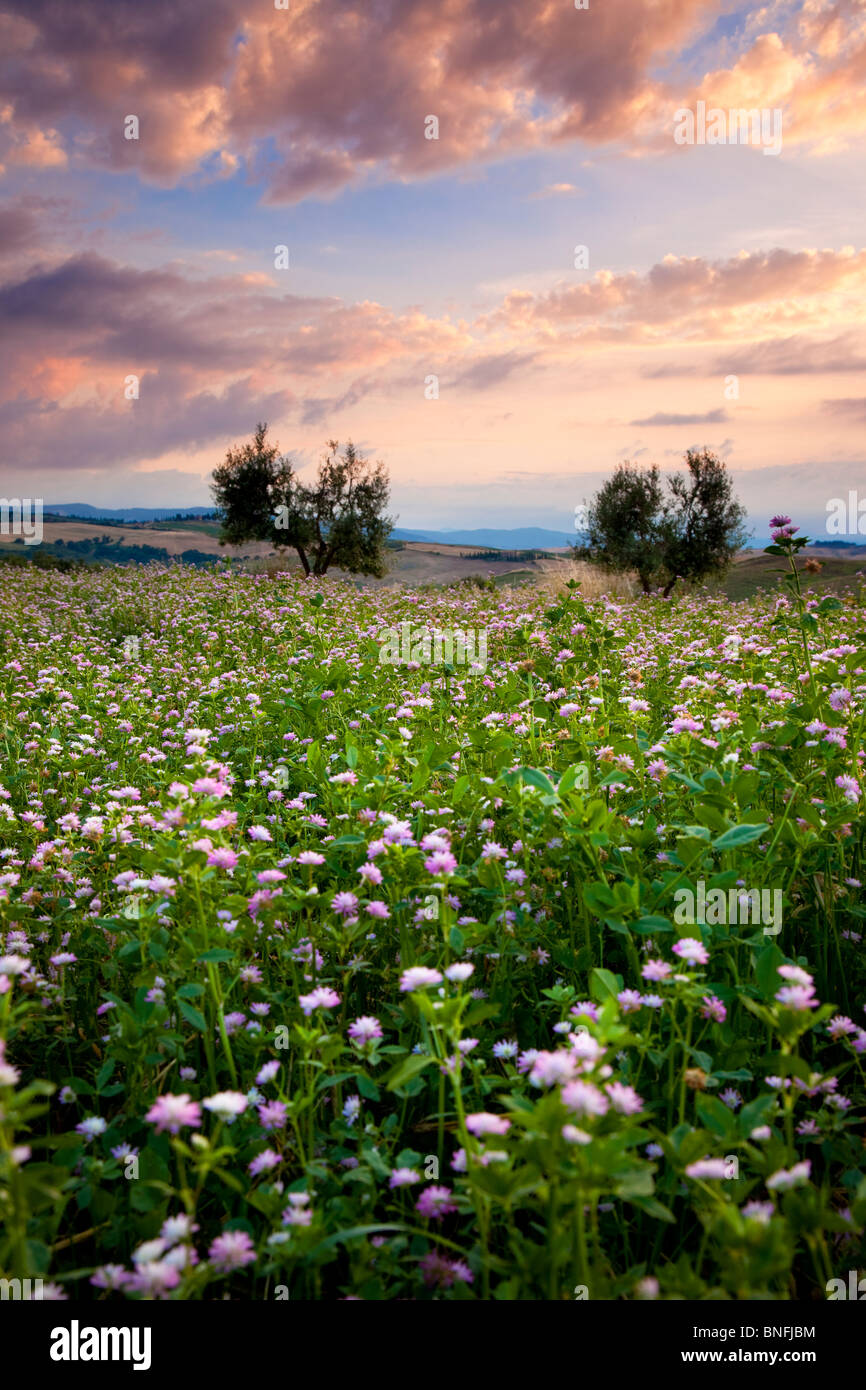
[[332, 92], [699, 297], [75, 330]]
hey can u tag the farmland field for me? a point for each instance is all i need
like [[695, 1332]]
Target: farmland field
[[330, 976]]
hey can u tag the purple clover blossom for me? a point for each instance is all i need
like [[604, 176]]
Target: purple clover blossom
[[442, 862], [849, 787], [273, 1114], [418, 977], [230, 1251], [692, 951], [629, 1000], [321, 998], [435, 1202], [365, 1030], [707, 1168], [403, 1177], [713, 1008], [174, 1113]]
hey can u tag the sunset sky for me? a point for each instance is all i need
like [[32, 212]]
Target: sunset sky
[[412, 257]]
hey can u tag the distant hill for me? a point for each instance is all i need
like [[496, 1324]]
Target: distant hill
[[522, 538], [853, 548], [88, 513]]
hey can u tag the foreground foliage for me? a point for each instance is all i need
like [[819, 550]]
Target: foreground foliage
[[323, 977]]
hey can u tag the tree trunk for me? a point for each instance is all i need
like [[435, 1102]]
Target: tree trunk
[[669, 587], [323, 560], [302, 555]]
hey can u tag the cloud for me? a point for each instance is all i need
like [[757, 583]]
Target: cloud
[[797, 355], [712, 417], [212, 354], [490, 371], [99, 435], [18, 227], [215, 351], [331, 93], [36, 149], [316, 410], [704, 300], [555, 190], [105, 313], [809, 66], [849, 407]]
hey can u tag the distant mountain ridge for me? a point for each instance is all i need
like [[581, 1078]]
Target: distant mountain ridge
[[522, 538], [492, 538], [86, 512]]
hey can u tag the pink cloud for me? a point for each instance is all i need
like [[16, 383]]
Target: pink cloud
[[213, 353], [704, 298]]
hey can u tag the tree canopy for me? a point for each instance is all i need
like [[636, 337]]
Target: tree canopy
[[690, 531], [338, 519]]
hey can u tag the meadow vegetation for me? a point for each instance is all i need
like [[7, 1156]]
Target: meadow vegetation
[[332, 978]]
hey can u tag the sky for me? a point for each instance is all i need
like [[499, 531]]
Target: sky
[[491, 241]]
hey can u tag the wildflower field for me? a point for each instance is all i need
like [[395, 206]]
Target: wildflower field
[[325, 976]]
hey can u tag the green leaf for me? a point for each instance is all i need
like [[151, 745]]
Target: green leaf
[[693, 832], [456, 940], [652, 1206], [406, 1070], [714, 1114], [367, 1088], [216, 955], [603, 984], [326, 1082], [372, 1156], [647, 925], [353, 1233], [190, 991], [461, 787], [753, 1114], [598, 898], [577, 772], [104, 1073], [740, 835], [766, 970], [534, 778], [192, 1015], [759, 1010]]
